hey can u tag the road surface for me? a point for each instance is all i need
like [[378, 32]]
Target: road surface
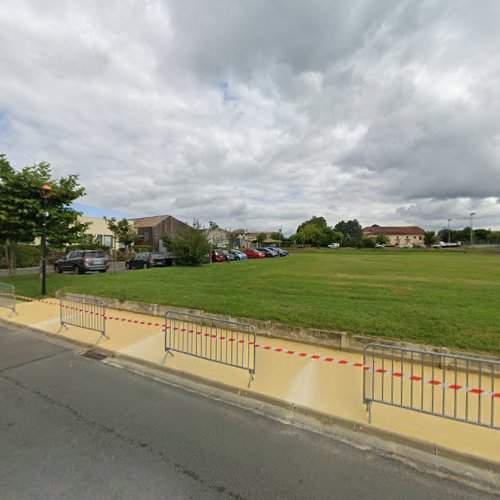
[[73, 427], [119, 266]]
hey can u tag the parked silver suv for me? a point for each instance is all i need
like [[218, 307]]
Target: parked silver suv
[[82, 261]]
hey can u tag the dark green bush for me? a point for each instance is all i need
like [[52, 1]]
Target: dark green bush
[[366, 243], [26, 255], [142, 248]]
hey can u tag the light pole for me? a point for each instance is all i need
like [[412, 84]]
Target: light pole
[[449, 236], [471, 231], [45, 192]]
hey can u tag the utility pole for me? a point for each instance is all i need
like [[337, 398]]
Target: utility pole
[[449, 236], [471, 230], [45, 191]]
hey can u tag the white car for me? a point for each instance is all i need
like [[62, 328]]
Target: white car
[[334, 245]]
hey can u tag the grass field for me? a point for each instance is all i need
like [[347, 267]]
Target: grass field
[[435, 297]]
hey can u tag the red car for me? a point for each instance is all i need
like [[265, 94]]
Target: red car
[[253, 254], [218, 256]]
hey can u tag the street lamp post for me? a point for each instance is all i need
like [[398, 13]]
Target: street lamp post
[[45, 192], [449, 236], [471, 230]]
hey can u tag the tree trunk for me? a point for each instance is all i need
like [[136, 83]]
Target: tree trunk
[[10, 256]]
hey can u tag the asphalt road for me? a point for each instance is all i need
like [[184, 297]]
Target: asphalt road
[[73, 427], [119, 266]]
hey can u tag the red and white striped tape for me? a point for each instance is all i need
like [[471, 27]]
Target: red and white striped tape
[[300, 354]]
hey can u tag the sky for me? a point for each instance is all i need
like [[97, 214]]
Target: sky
[[260, 114]]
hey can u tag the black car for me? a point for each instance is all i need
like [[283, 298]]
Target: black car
[[149, 259], [82, 261]]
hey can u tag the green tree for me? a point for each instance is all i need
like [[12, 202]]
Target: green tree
[[190, 246], [316, 232], [313, 234], [443, 235], [22, 208], [382, 239], [430, 238], [481, 235], [338, 237], [463, 235], [366, 243], [123, 232], [260, 238], [277, 235], [297, 239], [494, 237], [319, 222], [351, 229]]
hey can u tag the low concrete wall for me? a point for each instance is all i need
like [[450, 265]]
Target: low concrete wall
[[343, 341]]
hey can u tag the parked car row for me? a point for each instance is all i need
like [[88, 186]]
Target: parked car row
[[82, 261], [223, 255]]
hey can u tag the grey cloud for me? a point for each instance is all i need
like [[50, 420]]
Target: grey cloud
[[386, 111]]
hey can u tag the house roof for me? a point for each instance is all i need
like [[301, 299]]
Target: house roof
[[393, 230], [218, 229], [149, 221]]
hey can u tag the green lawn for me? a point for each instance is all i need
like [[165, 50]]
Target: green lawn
[[434, 297]]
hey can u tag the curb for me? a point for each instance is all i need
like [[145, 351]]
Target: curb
[[339, 340], [323, 418]]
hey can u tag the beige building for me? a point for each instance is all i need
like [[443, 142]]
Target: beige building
[[397, 235], [99, 232], [149, 229]]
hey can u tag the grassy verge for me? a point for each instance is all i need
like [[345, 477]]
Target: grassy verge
[[439, 297]]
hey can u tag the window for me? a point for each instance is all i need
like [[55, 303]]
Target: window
[[107, 240], [94, 255]]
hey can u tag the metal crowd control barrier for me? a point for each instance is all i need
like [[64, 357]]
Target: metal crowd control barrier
[[456, 387], [226, 342], [8, 296], [84, 312]]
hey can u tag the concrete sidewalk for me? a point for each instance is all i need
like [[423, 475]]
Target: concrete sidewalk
[[334, 390]]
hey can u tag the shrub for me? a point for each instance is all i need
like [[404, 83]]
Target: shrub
[[366, 243], [189, 247], [143, 248], [26, 255], [382, 239]]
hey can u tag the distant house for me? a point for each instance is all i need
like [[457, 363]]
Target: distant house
[[247, 239], [218, 237], [98, 232], [397, 235], [151, 229]]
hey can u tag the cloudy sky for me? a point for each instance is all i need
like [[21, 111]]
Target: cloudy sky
[[260, 113]]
